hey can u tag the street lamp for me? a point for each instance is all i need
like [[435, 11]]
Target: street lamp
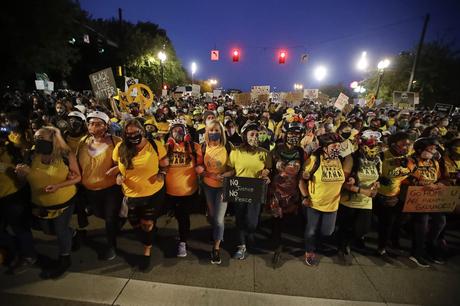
[[381, 66], [162, 57], [193, 68], [298, 86], [212, 82], [363, 63], [320, 73]]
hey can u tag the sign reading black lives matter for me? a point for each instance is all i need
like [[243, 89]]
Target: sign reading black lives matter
[[245, 190], [103, 83]]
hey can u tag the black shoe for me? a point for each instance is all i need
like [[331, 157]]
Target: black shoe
[[77, 239], [345, 256], [21, 265], [145, 263], [62, 266], [215, 257], [359, 244], [419, 261], [108, 254]]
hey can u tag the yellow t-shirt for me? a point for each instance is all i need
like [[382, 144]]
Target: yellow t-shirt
[[137, 181], [452, 168], [426, 172], [8, 183], [368, 174], [73, 142], [42, 175], [93, 168], [249, 164], [325, 186], [395, 172], [215, 161], [181, 179]]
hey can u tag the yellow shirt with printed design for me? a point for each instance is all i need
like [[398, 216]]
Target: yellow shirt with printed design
[[93, 168], [140, 181], [395, 169], [181, 179], [249, 164], [215, 162], [425, 172]]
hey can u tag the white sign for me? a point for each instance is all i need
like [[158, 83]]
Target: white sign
[[311, 93], [341, 101], [256, 91], [216, 93], [44, 85]]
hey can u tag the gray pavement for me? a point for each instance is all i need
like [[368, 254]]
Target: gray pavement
[[254, 281]]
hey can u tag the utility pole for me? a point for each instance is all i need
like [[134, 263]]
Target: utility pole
[[417, 54]]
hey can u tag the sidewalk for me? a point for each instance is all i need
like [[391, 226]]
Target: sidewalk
[[254, 281]]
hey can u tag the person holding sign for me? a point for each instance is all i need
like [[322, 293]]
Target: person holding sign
[[248, 160], [322, 181], [142, 173], [426, 172], [215, 155], [355, 212]]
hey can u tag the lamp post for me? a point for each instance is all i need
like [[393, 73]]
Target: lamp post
[[162, 58], [381, 66]]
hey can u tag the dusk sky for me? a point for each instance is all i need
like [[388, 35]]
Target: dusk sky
[[333, 33]]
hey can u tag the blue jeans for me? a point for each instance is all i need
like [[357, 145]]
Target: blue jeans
[[247, 219], [318, 224], [216, 210]]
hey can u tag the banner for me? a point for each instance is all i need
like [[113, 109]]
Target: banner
[[341, 101], [404, 99], [244, 190], [103, 83], [311, 93], [420, 199]]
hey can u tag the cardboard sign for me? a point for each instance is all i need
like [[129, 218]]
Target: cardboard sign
[[294, 98], [244, 190], [404, 99], [311, 93], [444, 199], [243, 98], [341, 101], [443, 108], [103, 83]]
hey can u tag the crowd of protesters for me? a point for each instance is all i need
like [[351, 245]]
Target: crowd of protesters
[[67, 154]]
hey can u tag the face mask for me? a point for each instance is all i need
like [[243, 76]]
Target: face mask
[[135, 112], [214, 136], [134, 140], [185, 111], [60, 112], [329, 127], [44, 147], [399, 150], [417, 125], [209, 121], [426, 155], [346, 135], [371, 153], [231, 131], [263, 137], [293, 140], [403, 124], [333, 154], [76, 125], [445, 123], [245, 111], [178, 136], [253, 141]]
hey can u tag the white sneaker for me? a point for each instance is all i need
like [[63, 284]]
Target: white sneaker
[[182, 250]]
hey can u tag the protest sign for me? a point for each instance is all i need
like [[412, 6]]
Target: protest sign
[[216, 93], [404, 99], [444, 109], [420, 199], [243, 98], [131, 81], [341, 101], [244, 190], [311, 93], [103, 83]]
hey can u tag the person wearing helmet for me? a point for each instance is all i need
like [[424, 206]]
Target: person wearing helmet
[[76, 130], [355, 210], [248, 160], [208, 117], [186, 163], [284, 195], [320, 186], [220, 113], [396, 168], [426, 172], [99, 173], [347, 147]]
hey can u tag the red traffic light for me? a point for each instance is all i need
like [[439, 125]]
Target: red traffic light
[[236, 55], [282, 57]]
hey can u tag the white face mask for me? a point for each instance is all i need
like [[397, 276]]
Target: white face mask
[[445, 123], [417, 125], [245, 111], [209, 121]]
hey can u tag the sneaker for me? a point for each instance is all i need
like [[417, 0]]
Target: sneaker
[[21, 265], [215, 257], [109, 254], [182, 250], [419, 261], [382, 252], [311, 259], [240, 254]]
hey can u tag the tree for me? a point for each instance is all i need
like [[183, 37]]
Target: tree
[[335, 90], [436, 78]]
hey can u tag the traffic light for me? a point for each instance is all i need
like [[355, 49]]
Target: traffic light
[[236, 55], [282, 57]]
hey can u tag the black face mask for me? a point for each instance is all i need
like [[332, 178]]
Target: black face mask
[[76, 125], [134, 140], [44, 147], [346, 135]]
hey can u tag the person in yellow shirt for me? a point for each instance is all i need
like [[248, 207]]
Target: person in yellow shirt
[[248, 160], [452, 162], [322, 181], [100, 190], [215, 150], [14, 199], [355, 209], [396, 168], [52, 176], [141, 165], [186, 163]]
